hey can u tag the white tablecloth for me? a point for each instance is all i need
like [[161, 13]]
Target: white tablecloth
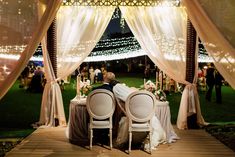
[[164, 115], [77, 130]]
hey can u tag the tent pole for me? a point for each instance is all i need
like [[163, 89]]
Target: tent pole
[[51, 45], [190, 64], [190, 52]]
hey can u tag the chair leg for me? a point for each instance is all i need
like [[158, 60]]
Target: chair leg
[[91, 137], [150, 142], [110, 138], [130, 138]]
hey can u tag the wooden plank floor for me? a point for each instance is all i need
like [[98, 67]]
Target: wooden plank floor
[[51, 142]]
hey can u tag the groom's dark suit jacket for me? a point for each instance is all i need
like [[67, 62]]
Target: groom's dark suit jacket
[[105, 86], [103, 133]]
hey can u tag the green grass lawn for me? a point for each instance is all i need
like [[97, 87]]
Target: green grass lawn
[[219, 113], [19, 108], [211, 111]]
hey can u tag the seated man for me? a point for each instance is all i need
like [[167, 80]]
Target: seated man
[[108, 77], [101, 135]]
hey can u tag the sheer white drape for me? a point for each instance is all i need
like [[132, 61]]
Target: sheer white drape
[[52, 104], [52, 108], [20, 35], [214, 22], [161, 32], [79, 28]]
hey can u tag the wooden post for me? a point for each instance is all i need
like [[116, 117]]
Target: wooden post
[[190, 65], [52, 46], [190, 50]]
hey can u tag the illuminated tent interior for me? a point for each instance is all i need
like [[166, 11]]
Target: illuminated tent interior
[[161, 31]]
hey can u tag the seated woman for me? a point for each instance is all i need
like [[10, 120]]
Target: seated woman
[[121, 93]]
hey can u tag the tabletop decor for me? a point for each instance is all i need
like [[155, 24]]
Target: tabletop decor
[[151, 87], [86, 88]]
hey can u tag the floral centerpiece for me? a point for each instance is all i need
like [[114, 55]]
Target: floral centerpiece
[[86, 88], [151, 87], [160, 95]]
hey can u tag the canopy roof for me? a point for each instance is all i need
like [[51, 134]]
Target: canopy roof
[[121, 2]]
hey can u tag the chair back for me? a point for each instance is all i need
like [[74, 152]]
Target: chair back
[[100, 104], [140, 106]]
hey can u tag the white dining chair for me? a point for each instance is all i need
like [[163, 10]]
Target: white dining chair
[[100, 106], [140, 107]]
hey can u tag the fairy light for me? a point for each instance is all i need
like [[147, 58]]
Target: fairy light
[[12, 49], [116, 56], [120, 51], [116, 48], [121, 54], [122, 22], [116, 14], [4, 68], [203, 58], [173, 57], [16, 57]]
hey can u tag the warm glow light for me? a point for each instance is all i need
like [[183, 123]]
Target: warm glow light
[[4, 68], [118, 48], [173, 57], [116, 56], [16, 57]]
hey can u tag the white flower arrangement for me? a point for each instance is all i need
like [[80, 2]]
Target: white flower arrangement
[[86, 88], [160, 95], [151, 87]]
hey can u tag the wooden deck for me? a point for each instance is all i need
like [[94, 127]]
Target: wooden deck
[[51, 142]]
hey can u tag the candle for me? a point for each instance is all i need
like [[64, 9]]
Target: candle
[[161, 79], [156, 80], [78, 85]]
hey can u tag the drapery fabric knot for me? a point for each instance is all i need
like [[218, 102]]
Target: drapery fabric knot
[[51, 82], [189, 105], [51, 110], [191, 89]]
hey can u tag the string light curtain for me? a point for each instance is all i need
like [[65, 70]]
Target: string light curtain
[[161, 32], [21, 32], [214, 22], [79, 28]]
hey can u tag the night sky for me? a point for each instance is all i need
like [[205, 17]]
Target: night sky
[[115, 26]]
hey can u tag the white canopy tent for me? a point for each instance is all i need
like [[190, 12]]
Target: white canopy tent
[[160, 30]]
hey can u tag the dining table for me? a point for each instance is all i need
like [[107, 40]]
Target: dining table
[[77, 130]]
